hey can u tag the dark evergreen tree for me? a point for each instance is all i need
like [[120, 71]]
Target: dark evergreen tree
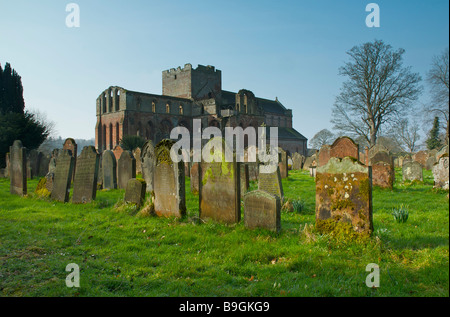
[[433, 141]]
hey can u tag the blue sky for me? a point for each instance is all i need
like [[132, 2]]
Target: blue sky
[[286, 49]]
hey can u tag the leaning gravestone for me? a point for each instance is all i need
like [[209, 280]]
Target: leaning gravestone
[[18, 168], [169, 186], [85, 183], [148, 164], [344, 195], [441, 173], [126, 169], [135, 191], [262, 210], [270, 180], [109, 170], [70, 144], [412, 171], [63, 176], [219, 184]]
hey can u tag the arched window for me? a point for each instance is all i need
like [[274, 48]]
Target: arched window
[[104, 102], [167, 108], [110, 101], [111, 136], [104, 137], [117, 100], [117, 134], [181, 109], [153, 106]]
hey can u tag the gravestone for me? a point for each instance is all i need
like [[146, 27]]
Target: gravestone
[[187, 169], [383, 172], [297, 161], [43, 165], [377, 148], [262, 210], [245, 181], [169, 182], [441, 173], [7, 165], [34, 161], [148, 164], [252, 162], [52, 163], [70, 144], [310, 160], [421, 157], [343, 147], [412, 171], [135, 191], [312, 171], [441, 152], [49, 181], [126, 169], [137, 155], [344, 195], [194, 178], [219, 184], [430, 162], [323, 156], [283, 163], [270, 180], [18, 168], [85, 183], [109, 170], [63, 176]]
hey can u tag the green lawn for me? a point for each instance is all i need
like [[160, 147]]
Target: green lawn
[[123, 255]]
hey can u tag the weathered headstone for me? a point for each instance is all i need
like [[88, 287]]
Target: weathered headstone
[[283, 164], [148, 164], [431, 160], [137, 155], [323, 156], [297, 161], [252, 162], [270, 180], [34, 161], [219, 185], [262, 210], [169, 186], [383, 172], [109, 170], [43, 165], [126, 169], [70, 144], [441, 152], [441, 173], [421, 157], [310, 160], [49, 181], [194, 178], [344, 194], [85, 183], [135, 191], [52, 163], [343, 147], [7, 165], [63, 176], [118, 152], [18, 168], [245, 181], [412, 171]]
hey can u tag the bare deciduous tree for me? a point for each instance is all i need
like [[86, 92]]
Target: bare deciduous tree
[[378, 88], [437, 79], [406, 134], [322, 137]]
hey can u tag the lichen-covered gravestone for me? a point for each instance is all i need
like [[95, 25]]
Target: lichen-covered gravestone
[[85, 183], [431, 160], [135, 191], [297, 161], [344, 196], [270, 180], [148, 164], [63, 176], [283, 164], [137, 155], [219, 184], [412, 171], [126, 169], [169, 186], [18, 168], [109, 170], [262, 210], [441, 173]]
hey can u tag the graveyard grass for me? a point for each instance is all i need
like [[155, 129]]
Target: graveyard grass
[[120, 254]]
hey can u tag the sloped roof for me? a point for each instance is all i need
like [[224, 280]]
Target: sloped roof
[[272, 106], [288, 133]]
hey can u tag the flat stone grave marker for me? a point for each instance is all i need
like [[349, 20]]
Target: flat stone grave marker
[[63, 176], [85, 183]]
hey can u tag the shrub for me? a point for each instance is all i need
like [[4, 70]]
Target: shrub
[[132, 142]]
